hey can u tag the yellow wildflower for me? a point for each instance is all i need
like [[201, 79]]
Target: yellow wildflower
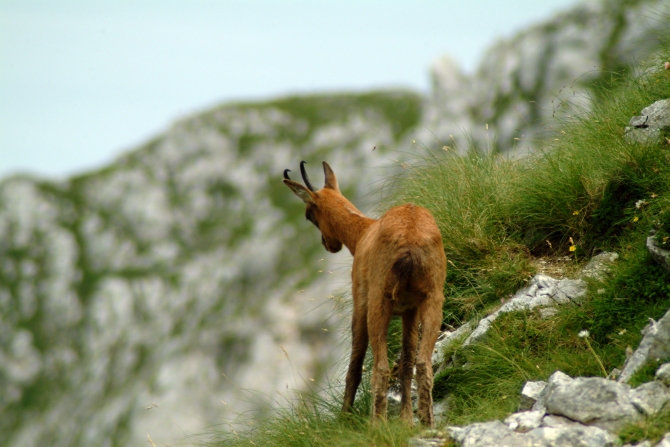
[[635, 219], [573, 248], [575, 213]]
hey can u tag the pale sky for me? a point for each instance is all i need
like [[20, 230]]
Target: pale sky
[[84, 80]]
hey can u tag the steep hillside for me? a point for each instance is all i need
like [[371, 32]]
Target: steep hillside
[[592, 209]]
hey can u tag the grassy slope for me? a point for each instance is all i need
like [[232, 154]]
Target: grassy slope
[[497, 216]]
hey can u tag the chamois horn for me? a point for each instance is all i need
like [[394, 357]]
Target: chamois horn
[[286, 171], [308, 184]]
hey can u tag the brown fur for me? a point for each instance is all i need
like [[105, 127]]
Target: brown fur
[[399, 269]]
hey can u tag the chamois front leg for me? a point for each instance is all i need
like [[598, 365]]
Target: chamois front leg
[[430, 313], [379, 316], [410, 336], [359, 345]]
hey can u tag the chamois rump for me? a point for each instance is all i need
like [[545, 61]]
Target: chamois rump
[[399, 268]]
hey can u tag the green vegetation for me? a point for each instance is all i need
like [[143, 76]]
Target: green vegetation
[[589, 190], [651, 428], [311, 420]]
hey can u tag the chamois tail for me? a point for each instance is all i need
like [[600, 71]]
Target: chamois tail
[[402, 271]]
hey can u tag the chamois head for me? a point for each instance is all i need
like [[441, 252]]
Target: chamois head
[[322, 206]]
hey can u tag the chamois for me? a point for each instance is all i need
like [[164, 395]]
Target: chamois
[[399, 268]]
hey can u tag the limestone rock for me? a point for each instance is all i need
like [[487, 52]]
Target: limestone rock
[[394, 397], [665, 442], [435, 439], [446, 339], [599, 265], [650, 397], [663, 374], [574, 436], [542, 291], [524, 421], [530, 393], [660, 255], [654, 345], [642, 444], [425, 442], [489, 434], [553, 421], [614, 374], [591, 401], [440, 408], [554, 380], [639, 122], [651, 124]]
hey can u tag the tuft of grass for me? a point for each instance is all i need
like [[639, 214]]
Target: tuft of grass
[[647, 373], [313, 420], [652, 428], [464, 195]]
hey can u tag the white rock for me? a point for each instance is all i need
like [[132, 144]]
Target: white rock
[[553, 421], [425, 442], [663, 374], [599, 265], [641, 444], [554, 380], [530, 393], [446, 339], [660, 255], [490, 434], [542, 291], [524, 421], [650, 397], [487, 434], [591, 401], [654, 345], [573, 436], [665, 442]]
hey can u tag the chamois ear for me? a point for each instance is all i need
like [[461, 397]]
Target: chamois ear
[[299, 190], [331, 181]]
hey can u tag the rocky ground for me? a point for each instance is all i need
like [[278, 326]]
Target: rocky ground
[[565, 411]]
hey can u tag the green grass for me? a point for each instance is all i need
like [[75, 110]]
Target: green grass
[[314, 421], [496, 215], [652, 428], [577, 196]]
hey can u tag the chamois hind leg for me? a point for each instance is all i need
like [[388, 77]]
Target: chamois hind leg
[[430, 312], [359, 344], [410, 336], [379, 316]]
